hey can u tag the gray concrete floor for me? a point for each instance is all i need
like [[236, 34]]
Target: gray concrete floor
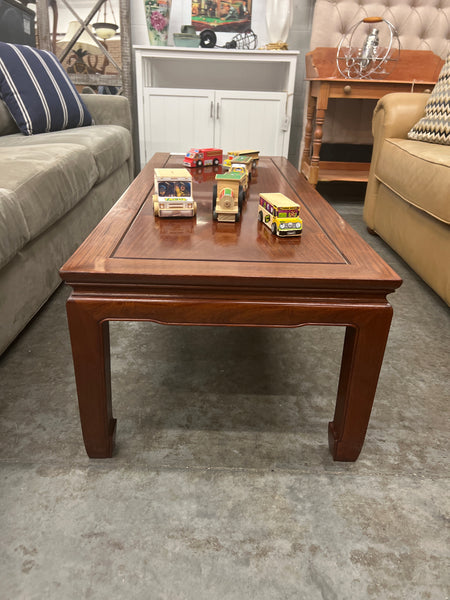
[[222, 486]]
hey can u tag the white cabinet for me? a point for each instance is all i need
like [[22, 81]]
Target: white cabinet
[[213, 98]]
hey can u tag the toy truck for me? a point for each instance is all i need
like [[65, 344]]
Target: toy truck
[[254, 154], [243, 164], [280, 214], [173, 193], [203, 157], [228, 197]]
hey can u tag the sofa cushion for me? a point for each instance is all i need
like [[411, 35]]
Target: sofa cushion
[[435, 125], [419, 173], [110, 145], [14, 232], [38, 92], [44, 182]]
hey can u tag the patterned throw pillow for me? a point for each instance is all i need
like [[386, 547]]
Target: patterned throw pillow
[[435, 125], [38, 92]]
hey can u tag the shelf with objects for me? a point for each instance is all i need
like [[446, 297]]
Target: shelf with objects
[[213, 98]]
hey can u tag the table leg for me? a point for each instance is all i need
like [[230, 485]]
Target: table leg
[[89, 335], [362, 358], [306, 159], [321, 109]]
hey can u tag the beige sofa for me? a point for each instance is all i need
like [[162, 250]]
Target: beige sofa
[[54, 188], [407, 200]]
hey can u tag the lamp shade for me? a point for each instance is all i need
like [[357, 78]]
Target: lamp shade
[[84, 42]]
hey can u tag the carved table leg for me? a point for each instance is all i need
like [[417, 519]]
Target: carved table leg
[[306, 158], [362, 357], [321, 109], [89, 335]]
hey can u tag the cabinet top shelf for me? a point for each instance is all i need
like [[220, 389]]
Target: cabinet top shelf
[[215, 52]]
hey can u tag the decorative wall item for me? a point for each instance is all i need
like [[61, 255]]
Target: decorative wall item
[[157, 14], [219, 15], [279, 15]]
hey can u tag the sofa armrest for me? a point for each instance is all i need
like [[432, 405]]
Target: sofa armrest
[[108, 110], [395, 114], [393, 117]]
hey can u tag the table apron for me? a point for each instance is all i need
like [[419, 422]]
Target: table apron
[[229, 312]]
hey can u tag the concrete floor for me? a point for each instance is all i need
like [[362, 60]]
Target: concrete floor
[[222, 486]]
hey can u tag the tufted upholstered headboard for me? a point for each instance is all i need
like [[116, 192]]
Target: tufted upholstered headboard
[[421, 25]]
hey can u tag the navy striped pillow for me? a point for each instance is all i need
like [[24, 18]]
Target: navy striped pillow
[[38, 92]]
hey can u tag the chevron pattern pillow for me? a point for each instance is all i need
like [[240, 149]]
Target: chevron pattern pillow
[[434, 127], [37, 91]]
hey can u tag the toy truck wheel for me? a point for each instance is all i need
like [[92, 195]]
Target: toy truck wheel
[[156, 209], [194, 212], [214, 215], [214, 202], [274, 229], [241, 197], [260, 216], [215, 162], [199, 163]]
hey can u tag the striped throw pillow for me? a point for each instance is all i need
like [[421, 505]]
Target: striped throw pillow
[[434, 127], [38, 92]]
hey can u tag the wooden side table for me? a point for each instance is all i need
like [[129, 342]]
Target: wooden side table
[[416, 71]]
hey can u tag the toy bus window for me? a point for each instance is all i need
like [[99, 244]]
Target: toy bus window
[[165, 188], [183, 189]]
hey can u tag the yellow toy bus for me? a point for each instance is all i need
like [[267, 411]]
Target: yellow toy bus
[[173, 193], [280, 214]]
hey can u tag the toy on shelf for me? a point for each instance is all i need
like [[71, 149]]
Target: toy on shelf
[[202, 157], [280, 214], [173, 197], [228, 197], [254, 154]]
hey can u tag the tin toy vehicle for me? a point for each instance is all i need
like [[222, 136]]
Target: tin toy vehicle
[[280, 214], [202, 157], [254, 155], [228, 197], [173, 193]]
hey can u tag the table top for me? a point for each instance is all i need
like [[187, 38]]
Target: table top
[[132, 247], [418, 66]]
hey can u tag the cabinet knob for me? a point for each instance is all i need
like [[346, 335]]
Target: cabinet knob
[[347, 89], [427, 91]]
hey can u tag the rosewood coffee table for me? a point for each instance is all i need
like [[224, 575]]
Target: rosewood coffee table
[[196, 271]]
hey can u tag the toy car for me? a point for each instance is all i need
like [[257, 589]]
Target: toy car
[[203, 157], [280, 214], [242, 169], [173, 197], [243, 161], [228, 197], [254, 154]]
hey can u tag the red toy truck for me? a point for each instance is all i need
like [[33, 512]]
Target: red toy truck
[[199, 157]]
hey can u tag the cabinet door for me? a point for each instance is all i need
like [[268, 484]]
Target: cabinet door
[[176, 120], [251, 120]]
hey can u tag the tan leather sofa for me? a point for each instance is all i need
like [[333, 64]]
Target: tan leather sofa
[[407, 200]]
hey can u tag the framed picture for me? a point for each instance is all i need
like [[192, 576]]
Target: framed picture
[[222, 15]]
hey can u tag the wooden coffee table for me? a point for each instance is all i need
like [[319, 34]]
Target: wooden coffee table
[[195, 271]]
